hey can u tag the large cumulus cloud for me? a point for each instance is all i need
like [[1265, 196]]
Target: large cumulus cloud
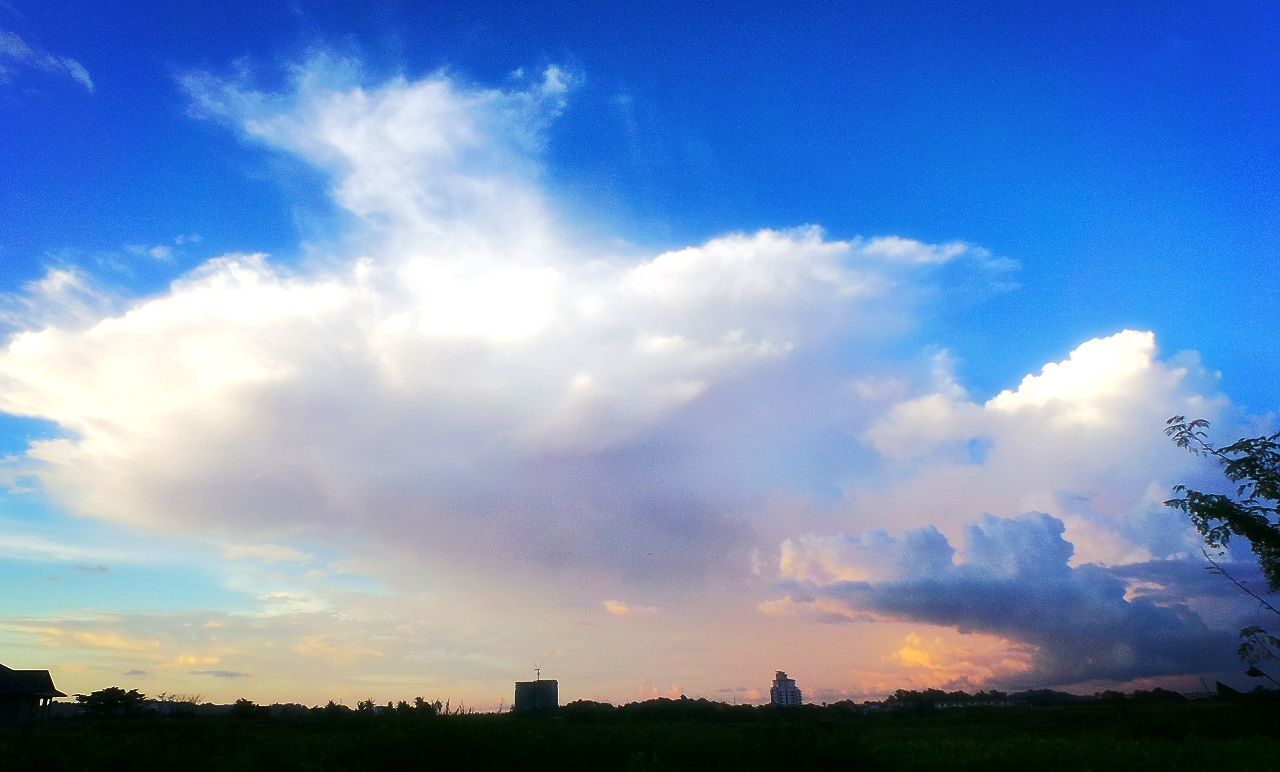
[[456, 374], [1081, 439], [462, 377], [1097, 588]]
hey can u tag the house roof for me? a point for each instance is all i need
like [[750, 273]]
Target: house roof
[[27, 683]]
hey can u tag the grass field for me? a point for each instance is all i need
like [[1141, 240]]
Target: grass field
[[1210, 735]]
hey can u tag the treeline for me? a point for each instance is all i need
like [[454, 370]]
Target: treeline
[[1103, 731], [929, 699], [116, 702], [937, 698]]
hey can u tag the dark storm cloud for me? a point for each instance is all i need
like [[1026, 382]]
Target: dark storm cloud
[[220, 673], [1016, 583]]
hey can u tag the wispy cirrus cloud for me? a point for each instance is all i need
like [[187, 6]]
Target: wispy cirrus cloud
[[225, 674], [201, 652], [623, 609], [16, 53], [22, 544], [65, 296]]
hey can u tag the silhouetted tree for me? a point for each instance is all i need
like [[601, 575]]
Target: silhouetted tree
[[177, 705], [246, 708], [112, 702], [587, 710], [1157, 695], [422, 707], [1253, 464]]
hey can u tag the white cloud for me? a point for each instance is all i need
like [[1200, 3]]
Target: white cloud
[[1082, 440], [63, 297], [20, 545], [462, 384], [471, 383], [1079, 388], [160, 252], [439, 169], [271, 553], [871, 555], [1103, 572], [16, 50], [623, 609], [911, 251]]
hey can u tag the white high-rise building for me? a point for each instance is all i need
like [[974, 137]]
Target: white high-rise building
[[784, 691]]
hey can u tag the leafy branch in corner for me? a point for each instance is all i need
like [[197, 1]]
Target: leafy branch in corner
[[1253, 464]]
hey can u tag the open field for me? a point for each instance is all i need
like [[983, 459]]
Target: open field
[[1200, 735]]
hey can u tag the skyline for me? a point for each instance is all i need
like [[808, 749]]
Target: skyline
[[353, 351]]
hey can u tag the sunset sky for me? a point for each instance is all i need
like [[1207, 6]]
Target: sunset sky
[[352, 353]]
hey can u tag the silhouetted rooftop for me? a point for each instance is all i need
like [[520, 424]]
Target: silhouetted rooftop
[[27, 683]]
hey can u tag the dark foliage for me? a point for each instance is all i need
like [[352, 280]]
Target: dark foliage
[[933, 698], [112, 702], [1257, 645], [1040, 698], [1155, 696], [1253, 464], [679, 734], [244, 708]]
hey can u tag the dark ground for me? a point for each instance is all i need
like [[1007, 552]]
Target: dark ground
[[691, 735]]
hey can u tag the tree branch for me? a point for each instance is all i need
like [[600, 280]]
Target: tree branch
[[1219, 569]]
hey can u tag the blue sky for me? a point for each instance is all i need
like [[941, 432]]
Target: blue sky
[[1074, 140], [588, 336]]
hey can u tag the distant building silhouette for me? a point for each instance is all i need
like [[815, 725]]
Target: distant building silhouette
[[542, 694], [784, 691], [25, 695]]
